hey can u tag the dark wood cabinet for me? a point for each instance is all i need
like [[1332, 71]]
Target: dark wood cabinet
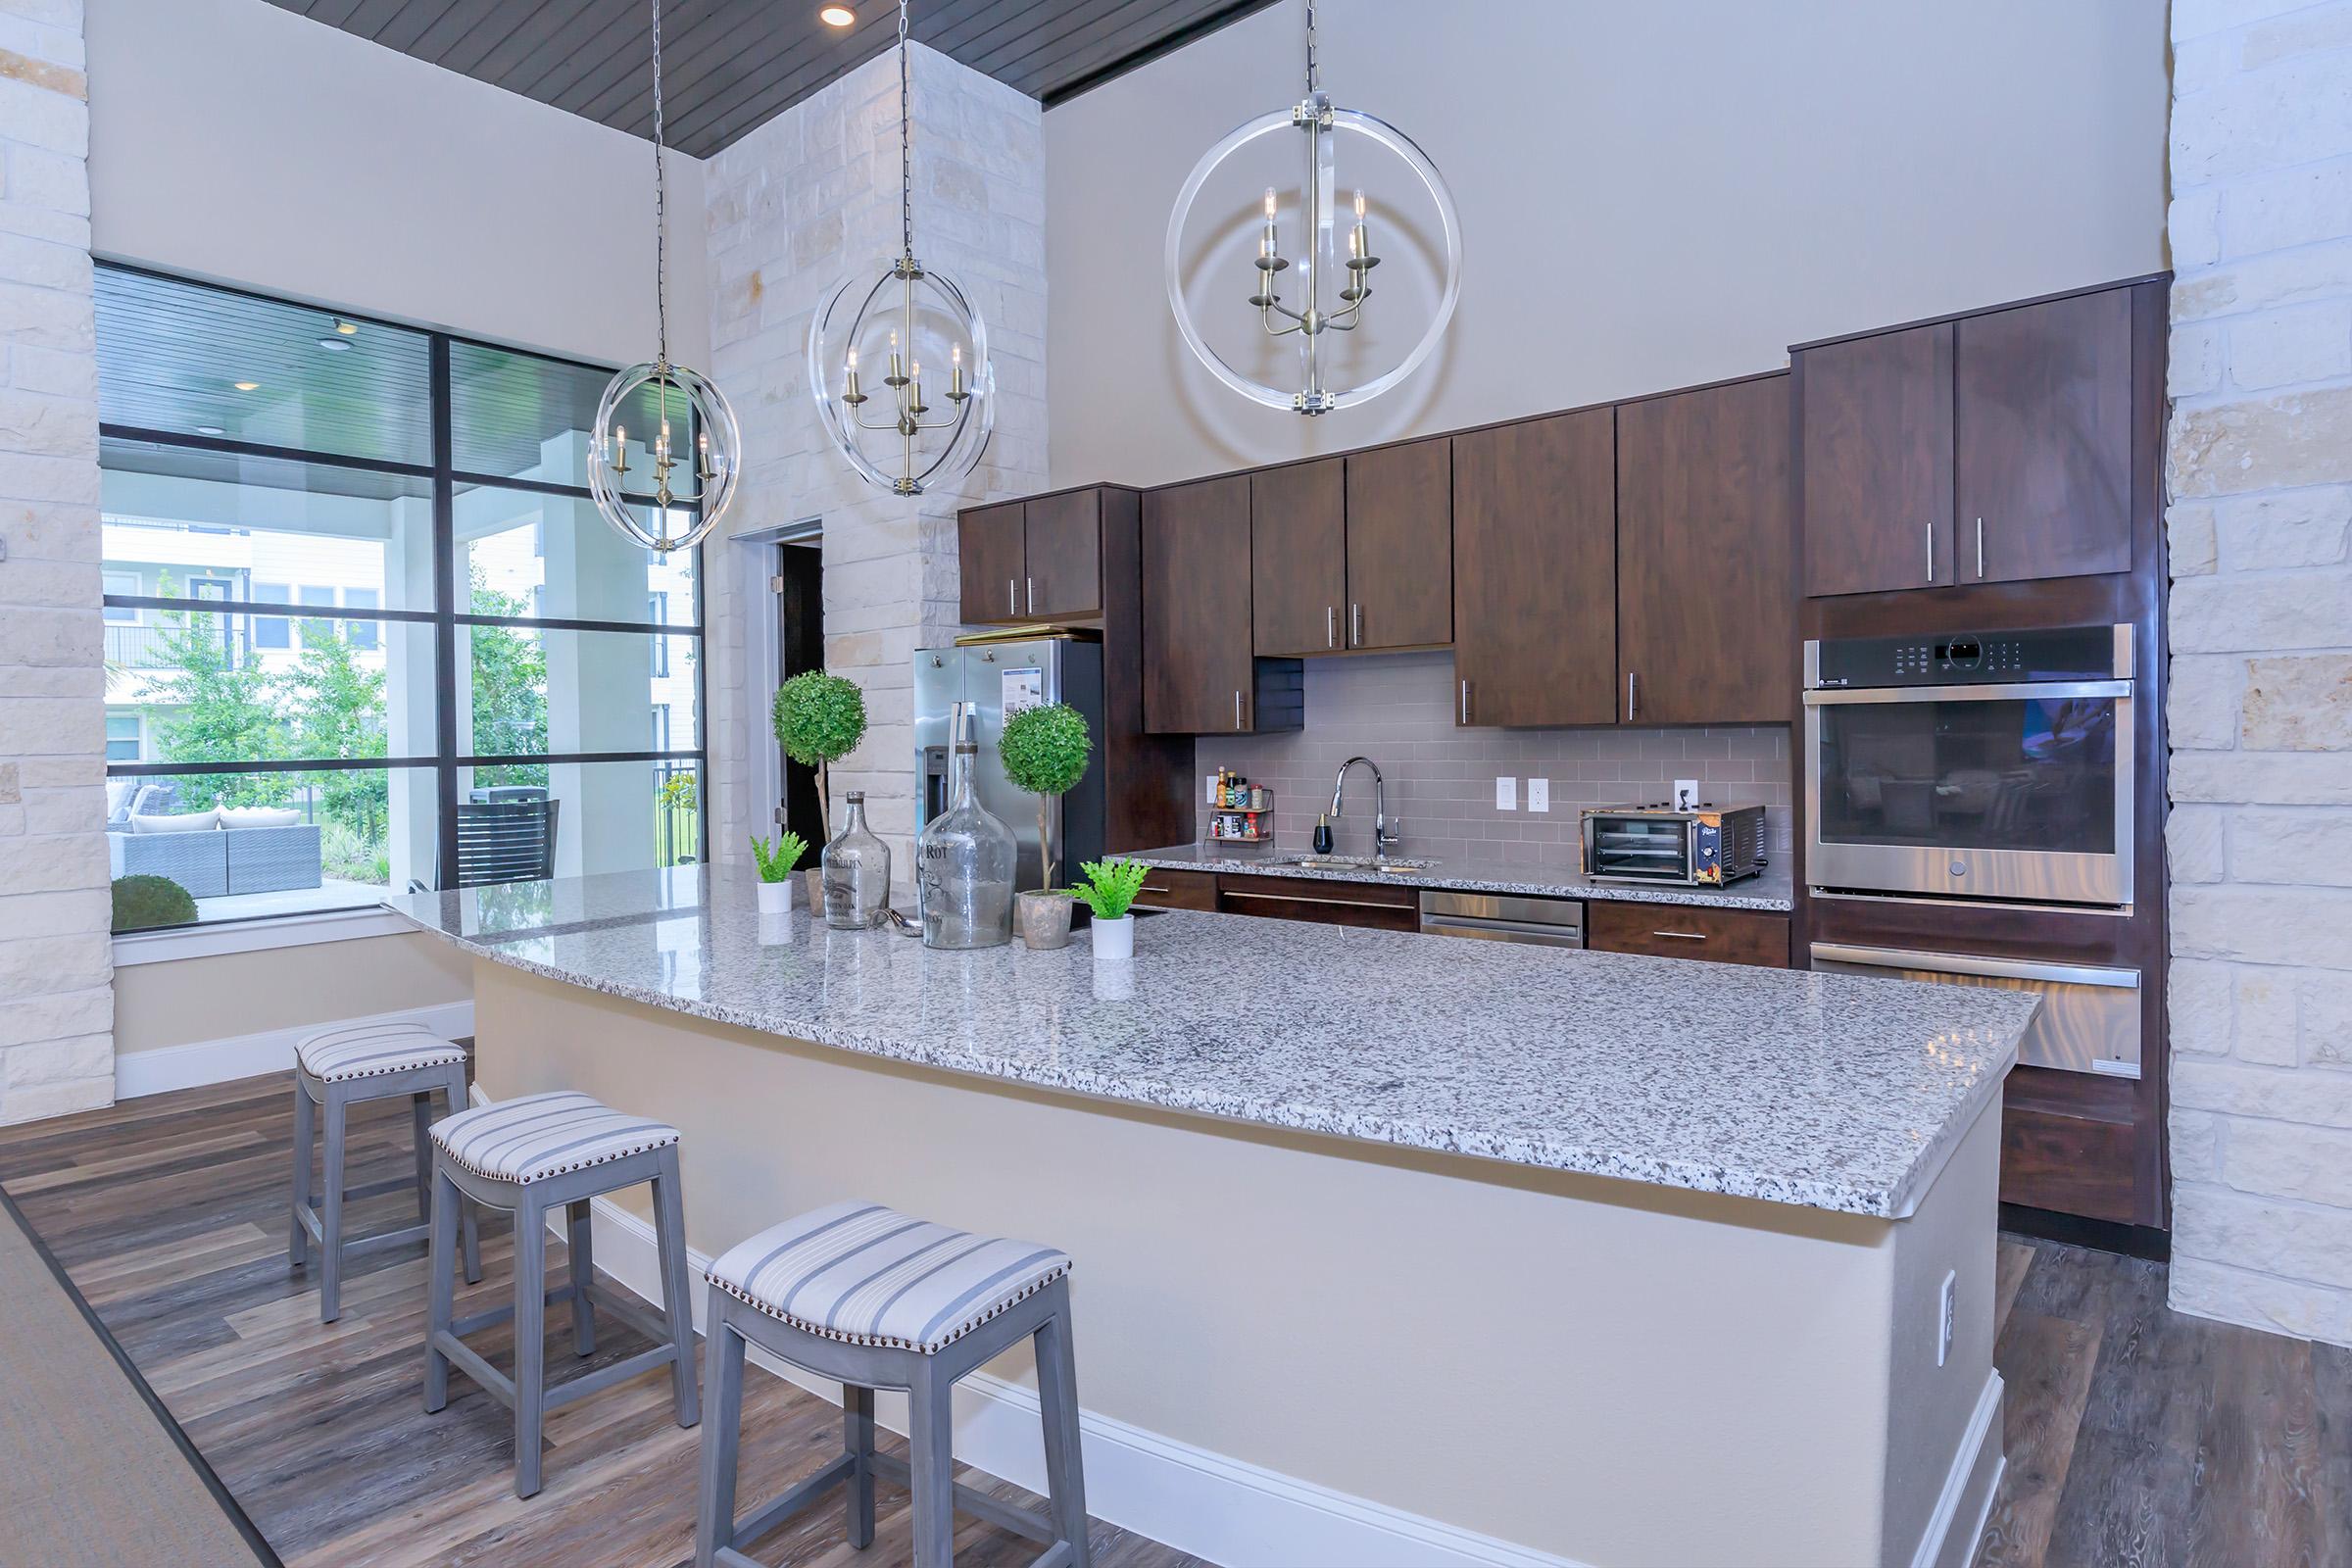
[[1062, 540], [1706, 540], [1876, 420], [1534, 571], [1688, 931], [1298, 556], [1400, 546], [2042, 412], [1290, 897], [1167, 889], [992, 558], [1200, 674]]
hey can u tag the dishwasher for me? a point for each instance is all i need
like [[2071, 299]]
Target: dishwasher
[[1504, 918]]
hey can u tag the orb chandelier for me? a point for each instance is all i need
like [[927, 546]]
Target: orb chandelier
[[893, 444], [1306, 316], [694, 446]]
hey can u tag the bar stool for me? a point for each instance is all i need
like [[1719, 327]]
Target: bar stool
[[335, 1069], [866, 1295], [533, 1156]]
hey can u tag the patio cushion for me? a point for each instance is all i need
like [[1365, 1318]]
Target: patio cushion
[[186, 822]]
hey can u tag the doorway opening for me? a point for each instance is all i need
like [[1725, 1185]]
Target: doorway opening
[[800, 593]]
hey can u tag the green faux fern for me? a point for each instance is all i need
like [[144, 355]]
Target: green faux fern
[[1110, 886], [777, 861]]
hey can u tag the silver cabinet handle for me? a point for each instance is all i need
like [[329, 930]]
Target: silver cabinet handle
[[1237, 709], [1629, 695], [1682, 936], [1032, 583], [1930, 530], [1331, 627], [1355, 625], [1980, 547], [1465, 701], [1013, 597]]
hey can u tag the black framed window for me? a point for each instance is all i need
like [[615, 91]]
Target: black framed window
[[355, 589]]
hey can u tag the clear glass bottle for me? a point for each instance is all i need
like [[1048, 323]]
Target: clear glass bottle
[[964, 861], [855, 873]]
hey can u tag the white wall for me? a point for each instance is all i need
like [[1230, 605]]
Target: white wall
[[235, 141], [1651, 196]]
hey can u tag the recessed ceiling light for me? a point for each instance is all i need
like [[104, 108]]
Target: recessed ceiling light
[[346, 329], [211, 430], [248, 386], [836, 16], [335, 345]]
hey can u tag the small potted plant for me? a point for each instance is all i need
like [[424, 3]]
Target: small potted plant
[[820, 719], [776, 862], [1109, 891], [1045, 751]]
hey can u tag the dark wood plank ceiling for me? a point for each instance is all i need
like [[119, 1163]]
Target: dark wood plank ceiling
[[730, 66]]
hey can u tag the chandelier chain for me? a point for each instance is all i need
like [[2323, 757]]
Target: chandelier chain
[[1312, 72], [660, 216], [905, 151]]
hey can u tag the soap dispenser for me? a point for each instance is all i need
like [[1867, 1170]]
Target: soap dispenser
[[1323, 834]]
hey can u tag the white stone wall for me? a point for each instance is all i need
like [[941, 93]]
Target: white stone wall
[[793, 208], [2260, 469], [56, 960]]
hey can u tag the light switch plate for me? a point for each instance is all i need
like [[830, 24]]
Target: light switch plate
[[1506, 795], [1538, 795], [1686, 794]]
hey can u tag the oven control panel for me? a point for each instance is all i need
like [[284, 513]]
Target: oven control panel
[[1963, 658]]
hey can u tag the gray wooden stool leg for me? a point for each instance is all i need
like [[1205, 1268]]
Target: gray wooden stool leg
[[440, 1288], [722, 1435], [306, 1140], [857, 1441], [330, 1210], [669, 1230], [931, 1463], [530, 1343], [1058, 1400], [453, 1095], [582, 1262], [420, 1118]]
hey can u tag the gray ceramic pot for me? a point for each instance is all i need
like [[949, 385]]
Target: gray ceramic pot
[[1044, 918]]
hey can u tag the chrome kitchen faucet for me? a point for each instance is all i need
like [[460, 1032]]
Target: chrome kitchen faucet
[[1383, 840]]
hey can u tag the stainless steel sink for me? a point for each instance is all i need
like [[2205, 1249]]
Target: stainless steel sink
[[1377, 864]]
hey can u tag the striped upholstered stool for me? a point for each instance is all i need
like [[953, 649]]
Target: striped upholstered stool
[[333, 1071], [533, 1156], [863, 1294]]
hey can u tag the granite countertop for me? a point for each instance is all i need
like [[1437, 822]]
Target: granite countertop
[[1769, 890], [1830, 1090]]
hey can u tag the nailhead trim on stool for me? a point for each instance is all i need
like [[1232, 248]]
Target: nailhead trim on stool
[[538, 1136], [367, 1050]]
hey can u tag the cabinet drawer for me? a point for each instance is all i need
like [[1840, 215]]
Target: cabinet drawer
[[2069, 1164], [1290, 897], [1688, 931], [1179, 890]]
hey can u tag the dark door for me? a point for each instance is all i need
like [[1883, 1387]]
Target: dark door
[[1400, 546], [799, 646], [1706, 585], [1298, 558], [1063, 579], [2042, 405], [1877, 413], [993, 560], [1534, 571], [1196, 651]]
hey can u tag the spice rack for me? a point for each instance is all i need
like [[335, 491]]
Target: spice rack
[[1240, 813]]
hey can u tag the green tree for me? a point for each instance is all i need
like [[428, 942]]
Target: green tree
[[210, 708], [335, 709], [510, 690]]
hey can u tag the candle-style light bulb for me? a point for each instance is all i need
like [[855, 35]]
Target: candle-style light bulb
[[956, 372], [1360, 206], [1269, 203], [620, 448], [895, 371]]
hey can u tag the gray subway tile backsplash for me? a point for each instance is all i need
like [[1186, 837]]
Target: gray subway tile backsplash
[[1394, 708]]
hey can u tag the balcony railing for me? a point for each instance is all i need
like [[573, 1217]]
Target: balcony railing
[[148, 646]]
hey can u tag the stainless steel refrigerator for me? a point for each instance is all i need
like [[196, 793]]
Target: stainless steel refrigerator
[[1001, 675]]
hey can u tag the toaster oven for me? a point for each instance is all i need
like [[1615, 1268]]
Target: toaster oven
[[1707, 847]]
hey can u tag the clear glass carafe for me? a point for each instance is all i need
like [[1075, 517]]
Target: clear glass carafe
[[964, 861], [855, 873]]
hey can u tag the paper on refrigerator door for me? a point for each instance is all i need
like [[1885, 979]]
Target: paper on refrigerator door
[[1024, 688]]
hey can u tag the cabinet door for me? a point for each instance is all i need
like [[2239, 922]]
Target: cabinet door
[[1063, 579], [1197, 652], [1688, 931], [1400, 546], [1877, 413], [1286, 897], [1534, 571], [2042, 404], [1707, 586], [1298, 558], [991, 559]]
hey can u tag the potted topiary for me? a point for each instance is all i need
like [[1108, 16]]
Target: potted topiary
[[820, 719], [775, 861], [1109, 891], [1045, 751]]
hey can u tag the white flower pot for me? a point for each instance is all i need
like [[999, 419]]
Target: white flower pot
[[775, 898], [1115, 940]]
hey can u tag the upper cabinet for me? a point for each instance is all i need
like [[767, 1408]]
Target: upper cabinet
[[2042, 401], [1298, 556], [1200, 672], [1876, 419], [1534, 571], [1995, 448], [1035, 560], [1706, 570], [1400, 546]]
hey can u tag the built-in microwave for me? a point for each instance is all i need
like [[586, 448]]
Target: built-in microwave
[[1994, 765]]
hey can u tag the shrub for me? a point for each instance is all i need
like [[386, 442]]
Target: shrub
[[142, 902], [1045, 751], [818, 719]]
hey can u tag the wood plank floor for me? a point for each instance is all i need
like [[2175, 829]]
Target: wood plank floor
[[2135, 1438]]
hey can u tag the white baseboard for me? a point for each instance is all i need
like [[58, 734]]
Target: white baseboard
[[215, 1062], [1220, 1508], [1969, 1487]]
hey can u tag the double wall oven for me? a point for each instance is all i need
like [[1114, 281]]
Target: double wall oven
[[1993, 768]]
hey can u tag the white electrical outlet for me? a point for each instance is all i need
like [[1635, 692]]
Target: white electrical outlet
[[1686, 794], [1506, 795], [1949, 1308], [1538, 795]]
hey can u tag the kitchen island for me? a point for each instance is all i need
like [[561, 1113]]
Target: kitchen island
[[1390, 1249]]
